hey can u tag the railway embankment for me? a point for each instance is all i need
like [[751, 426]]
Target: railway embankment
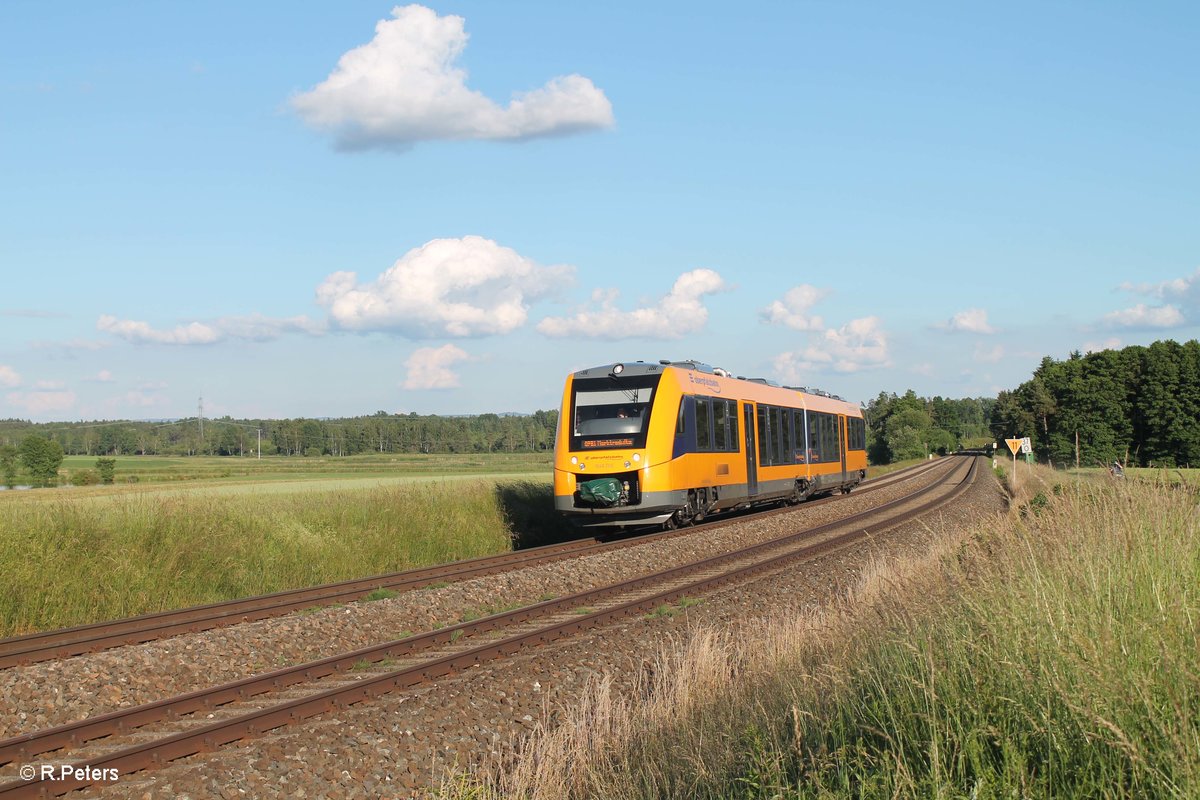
[[1045, 652]]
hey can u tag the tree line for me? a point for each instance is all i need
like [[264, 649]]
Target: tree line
[[226, 436], [901, 427], [1138, 405]]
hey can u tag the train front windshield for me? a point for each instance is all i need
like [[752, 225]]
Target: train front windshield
[[611, 411]]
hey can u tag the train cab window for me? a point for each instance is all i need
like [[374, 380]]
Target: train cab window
[[607, 412]]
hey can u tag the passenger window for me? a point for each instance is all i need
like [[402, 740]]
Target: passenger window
[[703, 430]]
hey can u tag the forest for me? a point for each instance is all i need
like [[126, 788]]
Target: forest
[[379, 433], [1138, 405]]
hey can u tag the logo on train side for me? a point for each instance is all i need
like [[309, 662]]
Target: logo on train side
[[707, 383]]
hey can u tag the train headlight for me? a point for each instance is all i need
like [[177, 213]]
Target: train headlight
[[574, 459], [637, 457]]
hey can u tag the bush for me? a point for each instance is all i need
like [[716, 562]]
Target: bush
[[107, 467], [84, 477]]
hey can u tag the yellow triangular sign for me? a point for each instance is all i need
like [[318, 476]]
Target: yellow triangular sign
[[1013, 444]]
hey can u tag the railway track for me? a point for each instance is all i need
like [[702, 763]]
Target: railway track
[[67, 642], [133, 739]]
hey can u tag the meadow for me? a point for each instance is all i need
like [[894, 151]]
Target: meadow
[[189, 535], [1049, 653]]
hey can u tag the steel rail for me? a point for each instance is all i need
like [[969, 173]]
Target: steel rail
[[66, 642], [215, 734]]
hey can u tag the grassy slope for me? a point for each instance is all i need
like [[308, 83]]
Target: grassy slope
[[1053, 654]]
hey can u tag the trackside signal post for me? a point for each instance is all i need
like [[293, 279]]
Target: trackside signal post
[[1015, 445]]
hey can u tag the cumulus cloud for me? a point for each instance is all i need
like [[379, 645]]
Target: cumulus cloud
[[1144, 316], [404, 86], [9, 376], [859, 344], [1183, 295], [793, 309], [447, 287], [430, 367], [254, 328], [42, 401], [142, 333], [1187, 288], [678, 313], [973, 320]]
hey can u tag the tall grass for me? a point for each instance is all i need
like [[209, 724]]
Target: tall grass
[[65, 563], [1051, 655]]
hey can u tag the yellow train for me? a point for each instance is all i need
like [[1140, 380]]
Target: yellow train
[[669, 443]]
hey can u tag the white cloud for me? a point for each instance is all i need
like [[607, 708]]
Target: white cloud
[[1184, 294], [142, 333], [9, 376], [430, 367], [678, 313], [103, 376], [793, 309], [973, 320], [1188, 288], [447, 287], [254, 328], [1143, 316], [860, 344], [403, 87], [42, 402]]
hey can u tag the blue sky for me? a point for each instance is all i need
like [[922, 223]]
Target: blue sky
[[327, 209]]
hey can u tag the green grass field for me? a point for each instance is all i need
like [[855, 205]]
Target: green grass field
[[165, 469], [73, 555]]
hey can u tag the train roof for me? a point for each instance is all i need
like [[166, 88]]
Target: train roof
[[630, 368]]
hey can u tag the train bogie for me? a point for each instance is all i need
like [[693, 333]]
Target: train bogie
[[673, 442]]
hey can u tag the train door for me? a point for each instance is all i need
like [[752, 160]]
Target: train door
[[842, 443], [751, 450]]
